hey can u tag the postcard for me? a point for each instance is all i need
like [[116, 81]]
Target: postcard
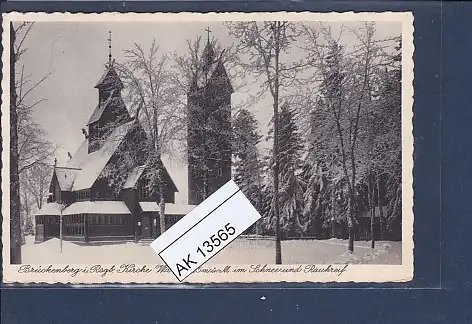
[[115, 126]]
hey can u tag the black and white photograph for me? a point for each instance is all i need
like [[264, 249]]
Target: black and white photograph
[[118, 127]]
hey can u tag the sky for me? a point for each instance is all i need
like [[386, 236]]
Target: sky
[[75, 54]]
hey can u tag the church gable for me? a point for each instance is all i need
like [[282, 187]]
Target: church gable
[[54, 189], [65, 177]]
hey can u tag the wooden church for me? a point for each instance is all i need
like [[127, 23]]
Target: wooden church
[[93, 208]]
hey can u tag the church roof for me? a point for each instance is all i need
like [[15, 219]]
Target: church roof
[[208, 55], [110, 78], [83, 169], [205, 76], [133, 177], [90, 165], [50, 209], [100, 108], [136, 173], [80, 156], [96, 161], [97, 207], [215, 74]]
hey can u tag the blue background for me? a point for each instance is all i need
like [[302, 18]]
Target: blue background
[[440, 291]]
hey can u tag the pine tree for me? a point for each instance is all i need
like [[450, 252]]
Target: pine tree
[[316, 196], [248, 166], [388, 147], [291, 186], [317, 164]]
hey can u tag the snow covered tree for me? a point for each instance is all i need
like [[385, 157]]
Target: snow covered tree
[[388, 146], [15, 215], [27, 210], [346, 75], [291, 189], [264, 44], [317, 167], [151, 98], [248, 167], [34, 190], [28, 148]]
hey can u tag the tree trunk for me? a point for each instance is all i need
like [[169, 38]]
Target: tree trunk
[[205, 181], [351, 239], [350, 224], [372, 217], [162, 203], [28, 225], [259, 206], [278, 245], [381, 214], [333, 212], [160, 176], [15, 218]]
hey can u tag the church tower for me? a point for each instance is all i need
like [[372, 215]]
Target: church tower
[[110, 110], [208, 127]]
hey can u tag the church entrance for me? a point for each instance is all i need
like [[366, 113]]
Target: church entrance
[[146, 226]]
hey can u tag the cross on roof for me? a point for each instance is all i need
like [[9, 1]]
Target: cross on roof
[[208, 31]]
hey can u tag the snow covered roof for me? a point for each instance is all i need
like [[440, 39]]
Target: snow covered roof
[[170, 209], [50, 209], [91, 165], [133, 177], [96, 161], [97, 207], [66, 174], [65, 177], [149, 206], [80, 156], [177, 209]]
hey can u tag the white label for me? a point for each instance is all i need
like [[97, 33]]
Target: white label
[[206, 230]]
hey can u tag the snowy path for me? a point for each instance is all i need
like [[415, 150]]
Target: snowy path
[[240, 251]]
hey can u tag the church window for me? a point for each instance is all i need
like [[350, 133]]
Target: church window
[[144, 191], [82, 195], [220, 172], [74, 224]]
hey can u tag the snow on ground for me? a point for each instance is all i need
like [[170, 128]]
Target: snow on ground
[[240, 251]]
